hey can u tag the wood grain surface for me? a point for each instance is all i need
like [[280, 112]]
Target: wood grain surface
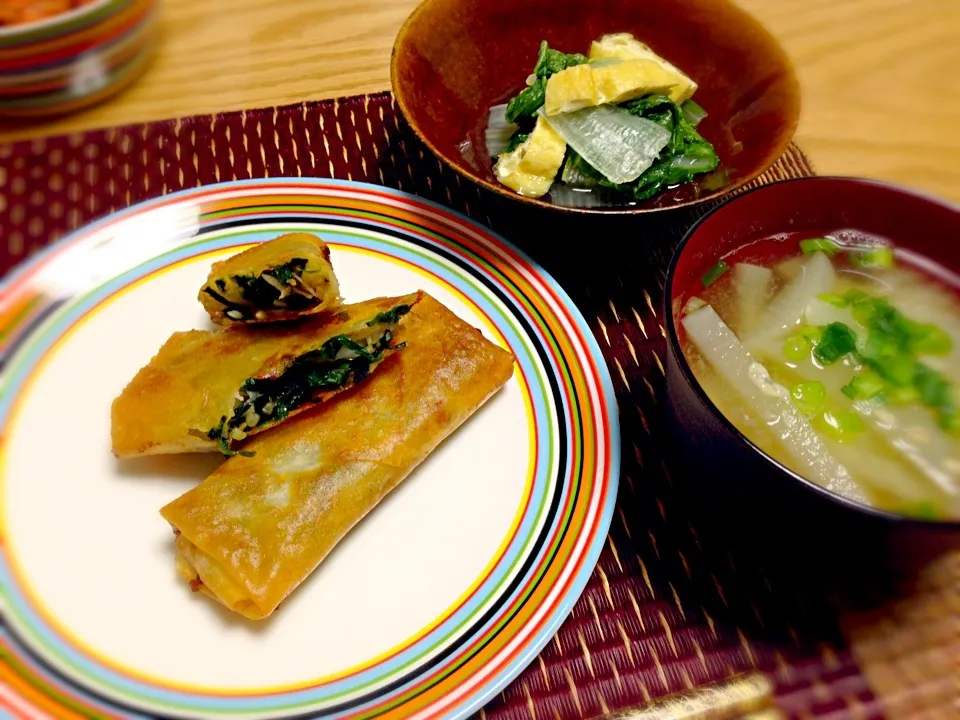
[[881, 90]]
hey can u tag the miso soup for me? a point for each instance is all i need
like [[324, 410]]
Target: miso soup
[[839, 356]]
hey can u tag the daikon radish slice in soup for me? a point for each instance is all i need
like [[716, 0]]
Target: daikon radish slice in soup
[[840, 358]]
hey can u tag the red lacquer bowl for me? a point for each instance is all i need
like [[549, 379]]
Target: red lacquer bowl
[[454, 59]]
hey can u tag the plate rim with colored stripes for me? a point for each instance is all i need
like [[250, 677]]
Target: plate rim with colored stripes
[[464, 659]]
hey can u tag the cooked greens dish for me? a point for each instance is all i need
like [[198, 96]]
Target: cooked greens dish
[[620, 124]]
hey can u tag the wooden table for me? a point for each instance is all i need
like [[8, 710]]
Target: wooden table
[[881, 87]]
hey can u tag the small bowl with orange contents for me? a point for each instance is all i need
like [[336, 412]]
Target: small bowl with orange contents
[[58, 56]]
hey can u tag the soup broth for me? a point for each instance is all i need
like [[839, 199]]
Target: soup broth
[[840, 358]]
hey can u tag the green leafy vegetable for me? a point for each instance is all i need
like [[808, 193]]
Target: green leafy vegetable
[[825, 245], [288, 271], [530, 99], [809, 397], [692, 112], [268, 400], [527, 102], [643, 107], [261, 294], [516, 140], [235, 311], [390, 317], [686, 155], [714, 273], [837, 340], [550, 61]]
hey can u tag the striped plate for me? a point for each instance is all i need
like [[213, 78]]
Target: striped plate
[[428, 608]]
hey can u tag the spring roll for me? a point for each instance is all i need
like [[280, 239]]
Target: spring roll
[[282, 279], [258, 526], [208, 390]]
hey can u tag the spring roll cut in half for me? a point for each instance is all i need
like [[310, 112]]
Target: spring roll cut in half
[[259, 525], [282, 279], [208, 390]]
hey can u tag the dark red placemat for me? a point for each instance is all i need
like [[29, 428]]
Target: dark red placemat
[[675, 604]]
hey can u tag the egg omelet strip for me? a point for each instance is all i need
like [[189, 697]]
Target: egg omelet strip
[[209, 389], [586, 86], [250, 533], [624, 46], [531, 168], [281, 279]]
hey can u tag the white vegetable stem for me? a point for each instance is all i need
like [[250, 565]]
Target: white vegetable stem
[[618, 144], [914, 434], [753, 284], [889, 476], [787, 307], [768, 401], [910, 431], [820, 312], [498, 131]]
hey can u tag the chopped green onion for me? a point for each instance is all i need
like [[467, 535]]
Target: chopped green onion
[[813, 334], [854, 296], [837, 340], [899, 369], [841, 425], [872, 258], [838, 301], [924, 510], [809, 397], [796, 348], [901, 395], [950, 420], [863, 312], [934, 390], [825, 245], [714, 273], [864, 387], [928, 339]]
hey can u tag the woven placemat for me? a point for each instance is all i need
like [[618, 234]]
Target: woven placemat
[[677, 605]]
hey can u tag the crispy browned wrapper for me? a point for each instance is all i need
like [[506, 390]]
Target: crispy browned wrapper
[[312, 289], [195, 378], [258, 526]]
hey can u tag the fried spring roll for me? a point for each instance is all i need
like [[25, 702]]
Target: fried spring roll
[[209, 389], [258, 526], [282, 279]]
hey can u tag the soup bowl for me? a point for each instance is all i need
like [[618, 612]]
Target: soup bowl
[[722, 462], [454, 59]]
